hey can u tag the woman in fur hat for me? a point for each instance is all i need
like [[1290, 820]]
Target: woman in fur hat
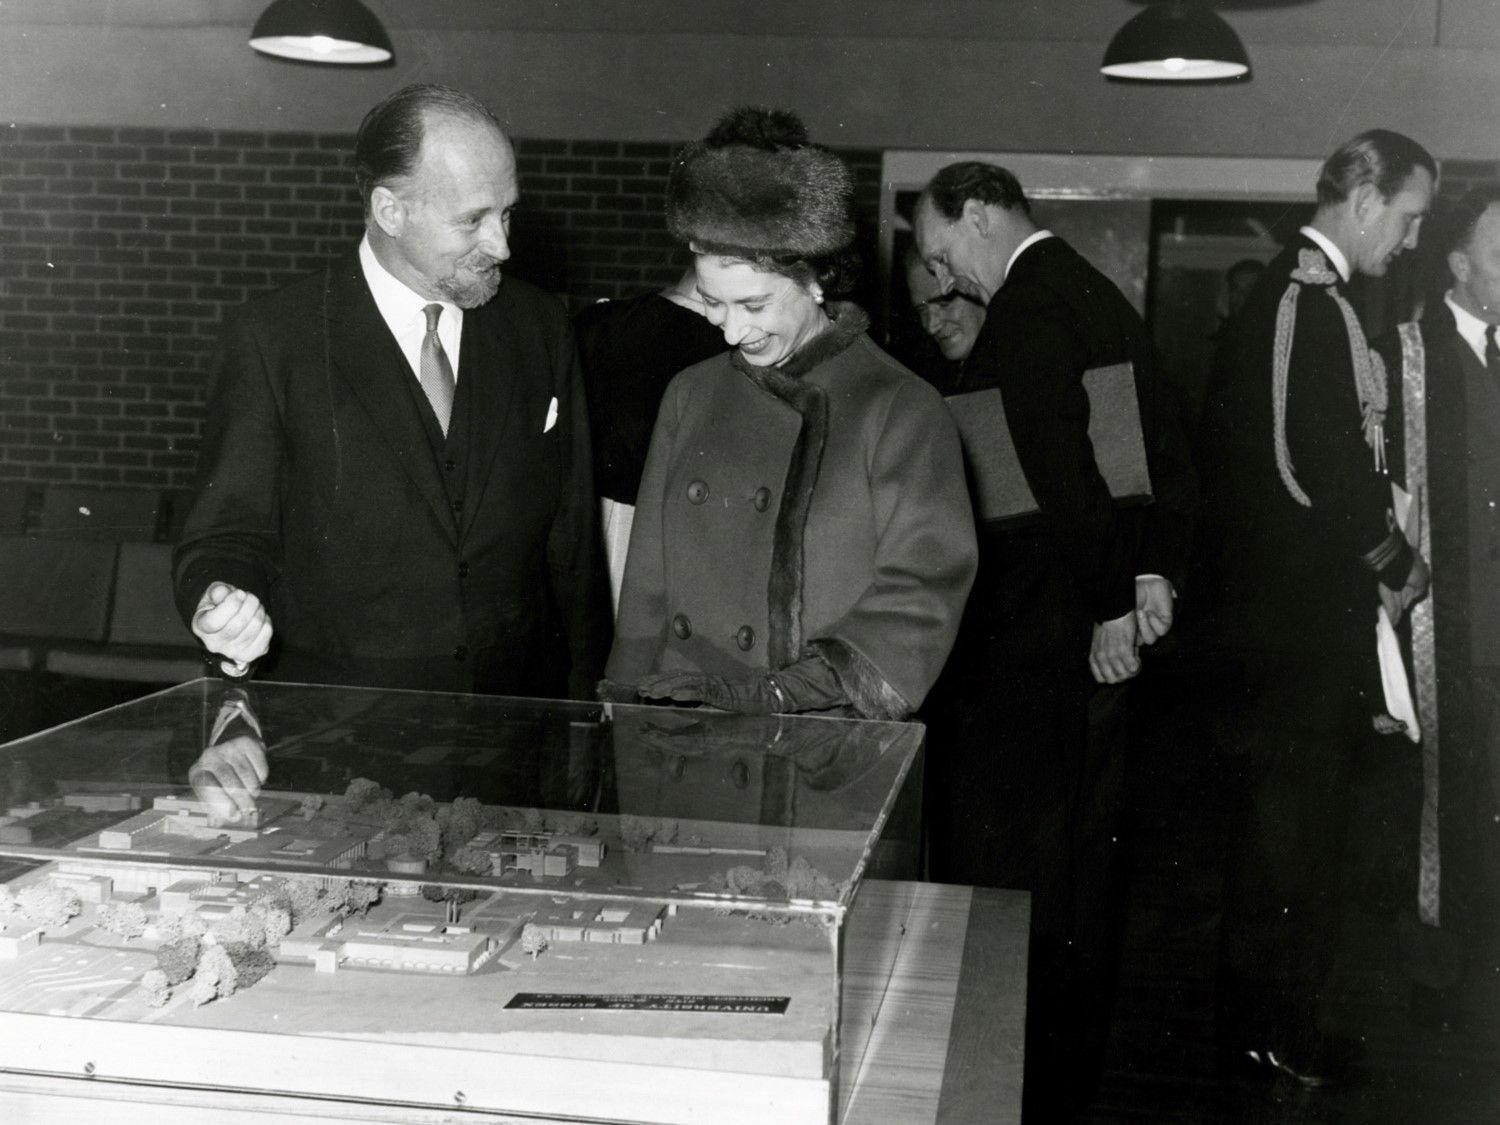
[[803, 538]]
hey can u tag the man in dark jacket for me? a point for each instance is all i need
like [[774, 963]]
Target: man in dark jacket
[[1021, 795], [1299, 553], [394, 484], [1445, 447]]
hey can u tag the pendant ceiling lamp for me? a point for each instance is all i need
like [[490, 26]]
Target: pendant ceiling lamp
[[322, 31], [1176, 41]]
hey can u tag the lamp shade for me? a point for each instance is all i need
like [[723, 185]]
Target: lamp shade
[[1176, 41], [321, 31]]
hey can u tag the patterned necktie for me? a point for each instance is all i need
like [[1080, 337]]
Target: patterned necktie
[[436, 375], [1491, 351]]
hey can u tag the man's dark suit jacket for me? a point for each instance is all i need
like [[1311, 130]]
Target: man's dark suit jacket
[[1280, 576], [385, 554], [1042, 585]]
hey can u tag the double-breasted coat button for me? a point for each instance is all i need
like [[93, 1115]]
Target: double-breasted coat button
[[461, 652], [745, 638], [697, 492], [682, 626], [762, 498]]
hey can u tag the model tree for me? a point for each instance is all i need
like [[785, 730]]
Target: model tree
[[237, 927], [533, 941], [458, 823], [362, 793], [301, 896], [347, 898], [576, 824], [251, 962], [470, 861], [123, 919], [177, 958], [154, 985], [48, 905], [275, 919], [215, 977], [425, 838]]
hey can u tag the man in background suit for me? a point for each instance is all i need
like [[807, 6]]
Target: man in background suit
[[952, 319], [1445, 446], [1021, 795], [1298, 553], [394, 484]]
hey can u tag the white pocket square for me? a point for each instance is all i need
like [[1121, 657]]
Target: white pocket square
[[551, 416]]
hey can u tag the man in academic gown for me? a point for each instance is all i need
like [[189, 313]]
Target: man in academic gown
[[1445, 447]]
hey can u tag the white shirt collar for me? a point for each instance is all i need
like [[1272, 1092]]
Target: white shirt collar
[[401, 308], [1469, 326], [397, 302], [1335, 255], [1030, 240]]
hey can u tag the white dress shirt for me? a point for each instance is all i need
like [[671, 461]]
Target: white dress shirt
[[1469, 326], [1335, 255], [1034, 237], [401, 308]]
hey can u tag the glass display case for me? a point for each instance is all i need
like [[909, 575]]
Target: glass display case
[[553, 910]]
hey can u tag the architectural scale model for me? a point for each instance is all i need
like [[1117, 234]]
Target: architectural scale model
[[332, 915]]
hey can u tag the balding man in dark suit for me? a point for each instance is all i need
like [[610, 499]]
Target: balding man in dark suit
[[394, 486]]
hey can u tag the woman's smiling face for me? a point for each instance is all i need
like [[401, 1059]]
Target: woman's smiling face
[[768, 316]]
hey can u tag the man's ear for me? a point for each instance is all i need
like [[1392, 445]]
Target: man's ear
[[978, 216], [1364, 200], [387, 210], [1458, 266]]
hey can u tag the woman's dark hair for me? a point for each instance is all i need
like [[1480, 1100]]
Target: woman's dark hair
[[956, 184], [1379, 157], [389, 141]]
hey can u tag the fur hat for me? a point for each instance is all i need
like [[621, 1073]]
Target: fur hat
[[757, 186]]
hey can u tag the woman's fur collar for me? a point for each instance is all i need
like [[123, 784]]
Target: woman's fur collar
[[849, 323]]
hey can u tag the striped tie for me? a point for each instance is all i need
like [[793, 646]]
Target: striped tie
[[436, 375]]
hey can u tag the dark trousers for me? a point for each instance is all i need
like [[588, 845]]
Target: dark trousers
[[1025, 788], [1290, 727]]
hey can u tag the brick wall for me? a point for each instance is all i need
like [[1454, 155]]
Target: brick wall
[[120, 250]]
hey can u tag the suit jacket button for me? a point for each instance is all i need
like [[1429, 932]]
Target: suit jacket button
[[461, 653], [697, 492], [762, 499], [463, 570], [682, 626], [745, 638], [450, 464]]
